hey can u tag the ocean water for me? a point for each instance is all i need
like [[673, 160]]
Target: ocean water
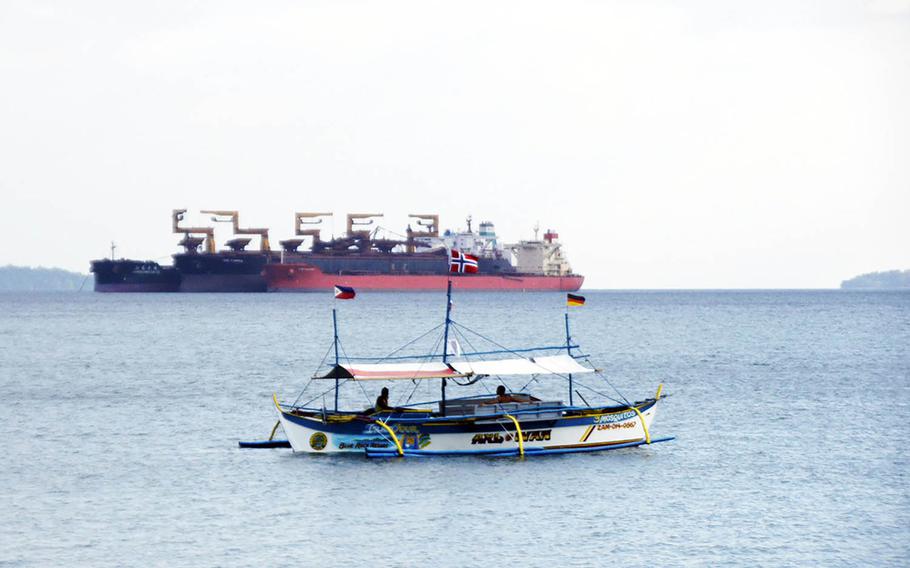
[[120, 416]]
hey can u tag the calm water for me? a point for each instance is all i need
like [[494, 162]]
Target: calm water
[[120, 417]]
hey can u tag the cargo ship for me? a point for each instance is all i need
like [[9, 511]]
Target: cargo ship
[[134, 276], [361, 258], [203, 269], [418, 262]]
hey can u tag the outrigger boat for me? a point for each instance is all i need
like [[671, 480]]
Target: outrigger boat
[[470, 425]]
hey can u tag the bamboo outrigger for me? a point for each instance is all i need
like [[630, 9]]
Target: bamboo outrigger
[[508, 425]]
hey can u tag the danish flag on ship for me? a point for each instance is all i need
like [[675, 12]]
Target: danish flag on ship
[[461, 262]]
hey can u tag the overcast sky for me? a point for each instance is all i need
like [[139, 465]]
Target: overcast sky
[[671, 144]]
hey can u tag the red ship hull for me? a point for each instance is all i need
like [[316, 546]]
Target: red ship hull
[[308, 278]]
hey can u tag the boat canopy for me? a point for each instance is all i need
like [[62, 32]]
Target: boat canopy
[[391, 371], [549, 365]]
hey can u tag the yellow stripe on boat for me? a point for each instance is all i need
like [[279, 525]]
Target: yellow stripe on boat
[[587, 433], [643, 425], [394, 437], [521, 443], [275, 429]]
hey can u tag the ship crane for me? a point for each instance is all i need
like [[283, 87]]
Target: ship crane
[[361, 237], [234, 218], [431, 224], [353, 221], [301, 220], [189, 242]]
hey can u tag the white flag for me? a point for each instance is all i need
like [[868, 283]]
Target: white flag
[[454, 347]]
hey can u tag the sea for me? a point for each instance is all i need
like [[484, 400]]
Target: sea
[[120, 417]]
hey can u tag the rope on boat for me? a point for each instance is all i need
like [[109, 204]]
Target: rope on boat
[[363, 390], [321, 395], [321, 363], [606, 380], [394, 437], [521, 442], [623, 400], [471, 345], [427, 357], [411, 342]]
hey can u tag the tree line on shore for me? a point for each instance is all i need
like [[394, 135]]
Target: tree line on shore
[[27, 279]]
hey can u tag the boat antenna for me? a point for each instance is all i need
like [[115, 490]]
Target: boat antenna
[[335, 329], [113, 248], [445, 342], [569, 350]]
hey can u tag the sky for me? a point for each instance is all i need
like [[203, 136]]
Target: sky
[[703, 144]]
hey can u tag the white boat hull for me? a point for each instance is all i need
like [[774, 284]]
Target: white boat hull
[[586, 432]]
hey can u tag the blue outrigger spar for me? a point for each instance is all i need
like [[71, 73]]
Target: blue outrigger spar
[[507, 424]]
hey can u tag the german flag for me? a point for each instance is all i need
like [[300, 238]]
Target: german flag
[[575, 300]]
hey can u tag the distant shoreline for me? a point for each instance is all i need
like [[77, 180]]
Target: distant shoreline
[[27, 279], [887, 280]]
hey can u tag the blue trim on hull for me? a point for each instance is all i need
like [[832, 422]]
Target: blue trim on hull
[[380, 453], [463, 424]]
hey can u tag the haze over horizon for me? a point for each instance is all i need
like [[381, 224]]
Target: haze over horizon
[[709, 145]]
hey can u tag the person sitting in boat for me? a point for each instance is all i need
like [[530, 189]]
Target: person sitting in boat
[[502, 397], [382, 402]]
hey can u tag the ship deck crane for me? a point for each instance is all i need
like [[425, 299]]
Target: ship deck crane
[[361, 238], [356, 220], [429, 221], [189, 242], [233, 217], [301, 220]]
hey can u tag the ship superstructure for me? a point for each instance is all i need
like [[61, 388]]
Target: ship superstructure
[[541, 256]]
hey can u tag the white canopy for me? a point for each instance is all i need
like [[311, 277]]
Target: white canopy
[[550, 365]]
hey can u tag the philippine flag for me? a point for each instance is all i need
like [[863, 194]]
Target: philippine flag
[[344, 292], [461, 262]]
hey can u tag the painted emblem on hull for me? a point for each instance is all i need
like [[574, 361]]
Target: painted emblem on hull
[[318, 441], [497, 438], [374, 436]]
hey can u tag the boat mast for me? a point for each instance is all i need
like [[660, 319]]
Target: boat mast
[[569, 350], [335, 327], [445, 342]]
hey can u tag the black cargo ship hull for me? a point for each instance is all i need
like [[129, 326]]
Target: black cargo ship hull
[[134, 276], [221, 272]]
